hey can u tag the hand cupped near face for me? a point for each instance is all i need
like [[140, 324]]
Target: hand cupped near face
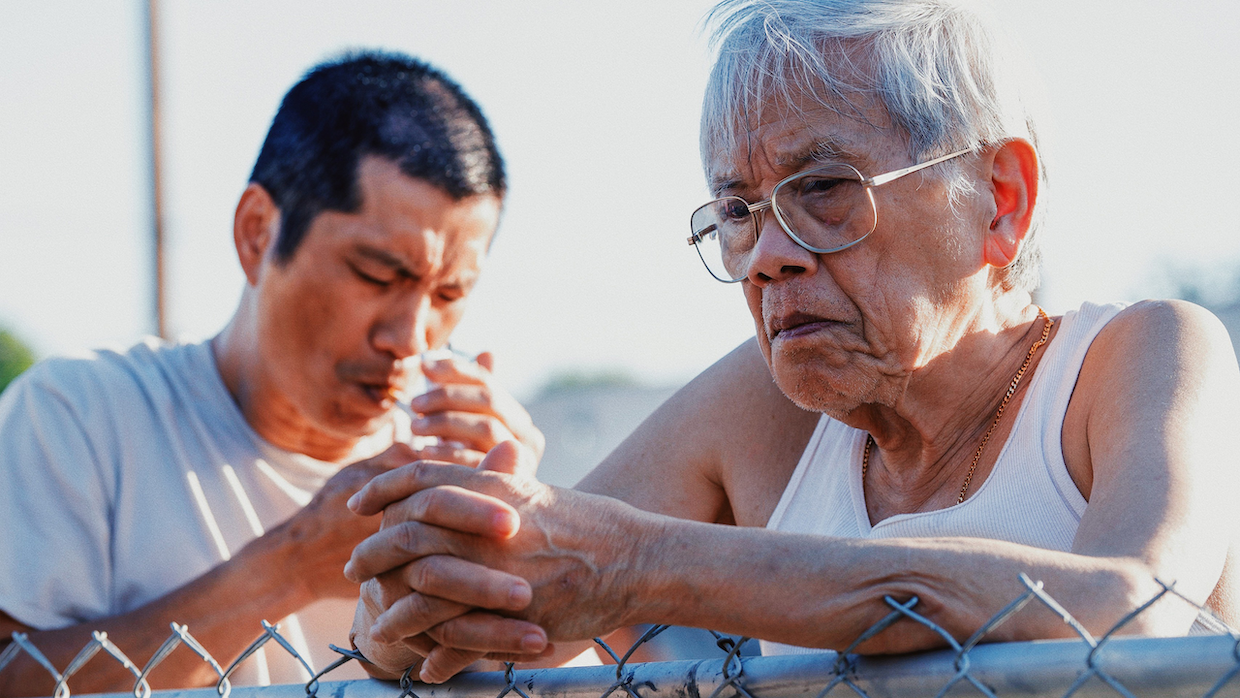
[[364, 291]]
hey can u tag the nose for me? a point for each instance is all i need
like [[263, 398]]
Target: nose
[[775, 255], [404, 330]]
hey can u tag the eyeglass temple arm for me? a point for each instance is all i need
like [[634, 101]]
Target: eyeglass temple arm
[[753, 208], [896, 174]]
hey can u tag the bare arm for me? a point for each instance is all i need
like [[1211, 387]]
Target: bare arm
[[1149, 417], [1150, 438], [290, 566], [718, 443], [720, 450], [222, 609]]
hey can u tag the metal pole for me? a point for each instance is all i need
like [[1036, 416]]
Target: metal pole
[[157, 202], [1156, 667]]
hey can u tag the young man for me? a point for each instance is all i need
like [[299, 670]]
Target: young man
[[205, 483]]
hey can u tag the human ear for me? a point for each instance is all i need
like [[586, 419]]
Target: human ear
[[255, 227], [1014, 185]]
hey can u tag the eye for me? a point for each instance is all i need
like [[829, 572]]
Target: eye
[[817, 185], [452, 293], [731, 210], [370, 277]]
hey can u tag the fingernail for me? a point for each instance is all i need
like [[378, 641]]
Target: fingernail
[[355, 501], [533, 642], [419, 402]]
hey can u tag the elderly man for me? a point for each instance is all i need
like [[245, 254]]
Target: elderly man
[[205, 483], [929, 431]]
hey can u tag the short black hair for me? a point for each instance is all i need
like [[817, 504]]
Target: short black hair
[[371, 103]]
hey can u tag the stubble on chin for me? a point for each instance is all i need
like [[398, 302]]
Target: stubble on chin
[[832, 387]]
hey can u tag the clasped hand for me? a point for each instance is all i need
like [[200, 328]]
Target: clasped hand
[[471, 563]]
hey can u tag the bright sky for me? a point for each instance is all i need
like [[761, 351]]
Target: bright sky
[[595, 105]]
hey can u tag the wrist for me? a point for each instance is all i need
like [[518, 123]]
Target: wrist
[[662, 589], [274, 561], [641, 572]]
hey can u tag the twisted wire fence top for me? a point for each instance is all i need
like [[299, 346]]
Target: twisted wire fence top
[[1203, 666]]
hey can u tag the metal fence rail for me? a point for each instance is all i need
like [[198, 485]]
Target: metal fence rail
[[1201, 666]]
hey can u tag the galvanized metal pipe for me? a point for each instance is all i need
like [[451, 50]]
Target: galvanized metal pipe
[[1163, 667]]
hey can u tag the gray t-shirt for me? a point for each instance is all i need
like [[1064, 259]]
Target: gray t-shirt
[[126, 475]]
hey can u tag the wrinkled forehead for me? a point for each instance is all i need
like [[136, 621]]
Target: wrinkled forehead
[[785, 133], [772, 108]]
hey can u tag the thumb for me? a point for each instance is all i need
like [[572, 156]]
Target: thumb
[[508, 457], [486, 360]]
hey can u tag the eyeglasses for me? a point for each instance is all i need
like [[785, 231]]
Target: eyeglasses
[[824, 209]]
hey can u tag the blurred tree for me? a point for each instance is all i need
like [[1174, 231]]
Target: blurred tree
[[15, 357], [576, 380]]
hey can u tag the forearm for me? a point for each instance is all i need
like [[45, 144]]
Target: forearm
[[824, 592], [222, 610]]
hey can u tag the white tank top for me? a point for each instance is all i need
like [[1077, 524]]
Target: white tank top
[[1028, 498]]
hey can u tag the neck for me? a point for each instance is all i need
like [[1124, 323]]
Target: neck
[[929, 434], [267, 409]]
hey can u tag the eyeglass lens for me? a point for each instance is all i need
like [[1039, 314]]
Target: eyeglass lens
[[822, 210]]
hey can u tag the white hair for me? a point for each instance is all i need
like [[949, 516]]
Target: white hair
[[946, 78]]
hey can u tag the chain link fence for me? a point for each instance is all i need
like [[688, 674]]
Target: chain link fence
[[1198, 666]]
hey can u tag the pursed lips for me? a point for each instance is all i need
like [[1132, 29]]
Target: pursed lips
[[795, 324], [381, 386]]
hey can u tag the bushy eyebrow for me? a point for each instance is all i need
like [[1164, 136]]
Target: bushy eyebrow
[[825, 150]]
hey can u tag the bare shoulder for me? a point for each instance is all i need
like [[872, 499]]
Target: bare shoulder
[[1155, 349], [1160, 378], [1162, 326], [685, 460], [1151, 440]]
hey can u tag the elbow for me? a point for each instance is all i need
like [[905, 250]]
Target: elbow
[[1143, 604]]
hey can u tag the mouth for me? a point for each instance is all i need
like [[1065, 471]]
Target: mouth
[[383, 392], [380, 394], [796, 325]]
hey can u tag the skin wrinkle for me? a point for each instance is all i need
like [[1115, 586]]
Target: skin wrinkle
[[926, 331], [855, 61], [853, 363], [343, 331], [554, 551]]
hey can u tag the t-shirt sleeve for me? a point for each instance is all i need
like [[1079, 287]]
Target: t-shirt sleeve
[[55, 494]]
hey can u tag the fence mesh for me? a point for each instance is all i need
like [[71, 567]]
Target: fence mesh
[[1186, 666]]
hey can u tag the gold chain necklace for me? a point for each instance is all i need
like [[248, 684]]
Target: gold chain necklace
[[1020, 373]]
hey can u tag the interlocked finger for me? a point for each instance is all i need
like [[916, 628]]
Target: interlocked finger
[[488, 632], [467, 583], [412, 615], [399, 544], [454, 508], [401, 482]]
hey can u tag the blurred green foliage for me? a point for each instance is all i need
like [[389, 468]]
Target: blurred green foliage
[[15, 357], [572, 380]]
